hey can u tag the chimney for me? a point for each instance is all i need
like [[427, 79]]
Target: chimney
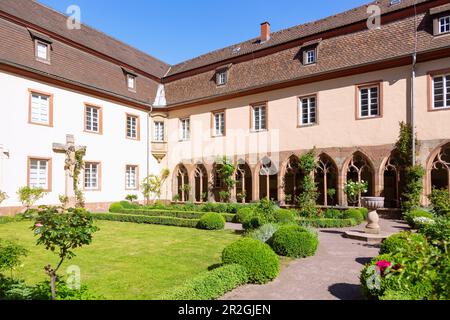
[[265, 31]]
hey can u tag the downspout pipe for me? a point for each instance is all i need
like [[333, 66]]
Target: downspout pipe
[[413, 108], [149, 115]]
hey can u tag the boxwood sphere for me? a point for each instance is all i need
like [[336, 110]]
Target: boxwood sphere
[[294, 241], [211, 221], [258, 258]]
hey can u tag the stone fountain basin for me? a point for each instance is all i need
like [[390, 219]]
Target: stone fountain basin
[[373, 203]]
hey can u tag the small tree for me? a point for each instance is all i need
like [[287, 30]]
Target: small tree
[[152, 185], [3, 196], [308, 197], [131, 198], [226, 172], [29, 196], [62, 233], [11, 255]]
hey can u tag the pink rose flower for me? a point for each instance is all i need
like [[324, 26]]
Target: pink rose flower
[[38, 225], [383, 265]]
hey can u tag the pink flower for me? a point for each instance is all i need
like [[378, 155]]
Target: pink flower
[[38, 225], [383, 265]]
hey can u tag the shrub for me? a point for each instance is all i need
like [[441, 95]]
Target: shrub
[[11, 255], [15, 289], [409, 217], [210, 285], [258, 258], [327, 223], [244, 213], [176, 214], [285, 216], [354, 214], [115, 207], [167, 221], [264, 233], [403, 241], [437, 232], [440, 201], [5, 220], [29, 196], [294, 241], [333, 214], [422, 273], [364, 212], [129, 205], [211, 221]]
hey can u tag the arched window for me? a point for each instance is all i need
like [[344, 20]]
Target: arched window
[[243, 183], [440, 169], [183, 187], [326, 177], [359, 170], [201, 183], [292, 180], [268, 180]]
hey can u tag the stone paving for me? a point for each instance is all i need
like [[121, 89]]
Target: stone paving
[[332, 274]]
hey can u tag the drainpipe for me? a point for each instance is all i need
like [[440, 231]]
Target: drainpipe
[[413, 107], [149, 115]]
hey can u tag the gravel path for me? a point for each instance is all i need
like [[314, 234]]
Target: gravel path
[[332, 274]]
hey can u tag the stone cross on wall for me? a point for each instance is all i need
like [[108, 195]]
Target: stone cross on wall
[[69, 149]]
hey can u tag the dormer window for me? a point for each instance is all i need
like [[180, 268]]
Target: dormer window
[[131, 82], [444, 24], [310, 56], [42, 51], [221, 77]]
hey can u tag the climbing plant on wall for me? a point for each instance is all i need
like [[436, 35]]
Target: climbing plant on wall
[[226, 172], [308, 198]]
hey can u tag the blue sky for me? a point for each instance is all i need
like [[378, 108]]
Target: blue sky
[[177, 30]]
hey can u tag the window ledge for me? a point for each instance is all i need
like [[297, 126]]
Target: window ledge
[[258, 131], [307, 125], [433, 109], [369, 118]]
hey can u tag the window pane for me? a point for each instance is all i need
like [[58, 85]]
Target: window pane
[[40, 106], [42, 50], [438, 83], [38, 174]]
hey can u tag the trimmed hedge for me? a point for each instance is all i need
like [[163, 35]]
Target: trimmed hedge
[[354, 214], [295, 242], [210, 285], [402, 242], [168, 213], [167, 221], [327, 223], [285, 216], [211, 221], [261, 263], [5, 219], [409, 217]]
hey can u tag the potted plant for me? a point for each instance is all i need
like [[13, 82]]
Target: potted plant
[[354, 190]]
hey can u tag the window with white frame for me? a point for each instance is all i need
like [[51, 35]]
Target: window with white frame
[[39, 173], [222, 77], [91, 176], [444, 24], [369, 101], [92, 119], [42, 51], [259, 118], [131, 82], [307, 111], [310, 56], [40, 109], [158, 131], [441, 91], [185, 127], [219, 124], [131, 177], [132, 127]]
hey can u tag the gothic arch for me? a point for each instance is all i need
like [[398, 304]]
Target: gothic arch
[[181, 183], [438, 169], [360, 168], [327, 178], [267, 174]]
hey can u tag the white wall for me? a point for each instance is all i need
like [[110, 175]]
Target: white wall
[[23, 139]]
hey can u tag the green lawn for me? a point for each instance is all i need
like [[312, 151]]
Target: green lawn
[[126, 260]]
